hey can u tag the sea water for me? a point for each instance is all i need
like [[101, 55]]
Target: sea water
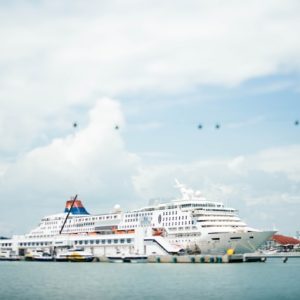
[[53, 280]]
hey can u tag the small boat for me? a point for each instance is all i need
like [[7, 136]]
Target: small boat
[[270, 252], [76, 255], [44, 257], [61, 256], [8, 255], [130, 258], [38, 255]]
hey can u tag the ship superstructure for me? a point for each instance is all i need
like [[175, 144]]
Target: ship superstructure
[[190, 223]]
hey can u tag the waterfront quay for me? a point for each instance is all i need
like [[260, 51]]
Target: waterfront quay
[[202, 259]]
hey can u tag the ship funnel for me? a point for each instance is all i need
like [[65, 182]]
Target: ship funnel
[[77, 209]]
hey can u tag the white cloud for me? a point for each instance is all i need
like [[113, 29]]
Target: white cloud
[[282, 159], [56, 55], [130, 45], [92, 162], [243, 173], [265, 183]]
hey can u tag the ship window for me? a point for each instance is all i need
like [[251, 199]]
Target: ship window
[[76, 242], [102, 241], [235, 238], [251, 237], [128, 240], [80, 242], [109, 241], [97, 241], [91, 242], [122, 241], [115, 241]]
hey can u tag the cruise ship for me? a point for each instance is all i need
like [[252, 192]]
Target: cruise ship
[[187, 224]]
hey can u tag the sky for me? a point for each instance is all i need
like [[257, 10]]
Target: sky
[[157, 70]]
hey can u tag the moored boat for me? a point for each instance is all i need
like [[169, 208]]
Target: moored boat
[[130, 258], [8, 255], [79, 255], [38, 255]]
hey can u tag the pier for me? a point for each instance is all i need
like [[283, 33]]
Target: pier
[[194, 259], [202, 259]]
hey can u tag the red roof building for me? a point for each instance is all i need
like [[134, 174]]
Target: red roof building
[[285, 240]]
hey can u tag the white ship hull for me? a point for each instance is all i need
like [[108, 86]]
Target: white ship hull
[[190, 223], [248, 242], [141, 244]]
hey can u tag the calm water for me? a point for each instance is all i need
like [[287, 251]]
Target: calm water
[[36, 280]]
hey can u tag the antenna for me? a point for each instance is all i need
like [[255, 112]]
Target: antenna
[[62, 227]]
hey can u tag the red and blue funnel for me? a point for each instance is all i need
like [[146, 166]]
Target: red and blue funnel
[[77, 209]]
